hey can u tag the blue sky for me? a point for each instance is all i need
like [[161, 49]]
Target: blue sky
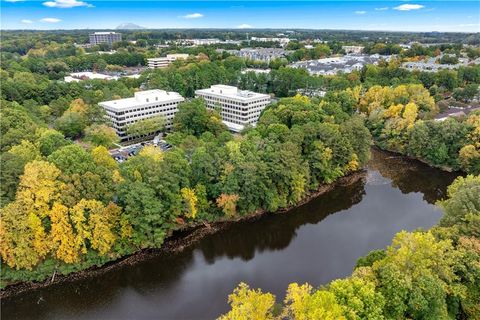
[[463, 16]]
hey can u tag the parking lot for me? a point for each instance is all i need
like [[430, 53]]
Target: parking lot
[[122, 154]]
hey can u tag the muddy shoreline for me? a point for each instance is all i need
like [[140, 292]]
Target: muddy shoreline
[[178, 241]]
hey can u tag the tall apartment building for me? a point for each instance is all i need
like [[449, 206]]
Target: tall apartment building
[[238, 108], [104, 37], [164, 62], [145, 104]]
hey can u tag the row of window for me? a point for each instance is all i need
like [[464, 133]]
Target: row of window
[[234, 102], [119, 113]]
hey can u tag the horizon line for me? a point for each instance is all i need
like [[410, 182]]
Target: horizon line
[[241, 29]]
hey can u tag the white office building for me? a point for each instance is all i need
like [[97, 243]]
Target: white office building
[[164, 62], [145, 104], [104, 37], [238, 108]]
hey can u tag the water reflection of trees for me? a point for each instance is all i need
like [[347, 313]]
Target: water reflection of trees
[[272, 232], [412, 176], [161, 274], [275, 232]]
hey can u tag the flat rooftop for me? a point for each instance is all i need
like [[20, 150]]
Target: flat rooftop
[[231, 92], [142, 98], [105, 32]]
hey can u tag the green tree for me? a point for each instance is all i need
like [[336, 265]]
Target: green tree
[[101, 135], [146, 127], [50, 140], [71, 124]]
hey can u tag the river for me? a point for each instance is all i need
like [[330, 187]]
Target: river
[[316, 243]]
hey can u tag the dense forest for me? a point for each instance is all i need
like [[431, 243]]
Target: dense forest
[[77, 207], [431, 274], [67, 205]]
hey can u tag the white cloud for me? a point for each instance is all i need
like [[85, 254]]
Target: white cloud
[[360, 12], [244, 26], [408, 7], [50, 20], [26, 21], [66, 4], [193, 16], [381, 9]]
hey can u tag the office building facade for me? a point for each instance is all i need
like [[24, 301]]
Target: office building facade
[[144, 105], [104, 37], [238, 108], [163, 62]]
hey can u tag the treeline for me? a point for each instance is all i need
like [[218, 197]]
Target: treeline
[[75, 207], [431, 274], [37, 76], [21, 41], [398, 119]]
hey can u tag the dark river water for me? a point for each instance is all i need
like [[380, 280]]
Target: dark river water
[[316, 243]]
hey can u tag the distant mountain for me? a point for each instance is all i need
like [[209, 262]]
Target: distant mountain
[[129, 26]]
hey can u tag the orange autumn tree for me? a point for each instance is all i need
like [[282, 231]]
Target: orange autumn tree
[[228, 204]]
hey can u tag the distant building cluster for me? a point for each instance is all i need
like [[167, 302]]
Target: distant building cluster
[[104, 37], [89, 75], [238, 108], [144, 105], [282, 41], [334, 65], [163, 62], [260, 54], [353, 49], [432, 65], [201, 42], [257, 71]]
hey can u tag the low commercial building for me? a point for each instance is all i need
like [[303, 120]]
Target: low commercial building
[[88, 75], [281, 41], [238, 108], [334, 65], [164, 62], [104, 37], [433, 64], [144, 105], [260, 54]]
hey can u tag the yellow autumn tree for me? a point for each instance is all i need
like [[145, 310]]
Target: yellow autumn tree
[[353, 164], [249, 304], [16, 238], [410, 114], [101, 224], [303, 304], [24, 239], [78, 105], [39, 187], [152, 152], [94, 222], [190, 199], [393, 111], [80, 222], [102, 157], [62, 233]]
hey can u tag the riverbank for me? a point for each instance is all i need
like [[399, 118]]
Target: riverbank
[[443, 168], [177, 242]]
